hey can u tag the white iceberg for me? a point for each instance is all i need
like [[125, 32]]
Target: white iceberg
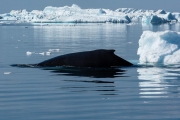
[[159, 17], [159, 47], [176, 15], [149, 16], [74, 14]]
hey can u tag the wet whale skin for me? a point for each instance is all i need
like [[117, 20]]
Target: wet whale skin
[[97, 58]]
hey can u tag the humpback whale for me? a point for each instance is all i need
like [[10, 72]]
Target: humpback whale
[[100, 58]]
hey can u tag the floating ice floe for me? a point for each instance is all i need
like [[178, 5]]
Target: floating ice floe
[[53, 50], [40, 53], [48, 53], [74, 14], [45, 53], [159, 47], [29, 53], [7, 73]]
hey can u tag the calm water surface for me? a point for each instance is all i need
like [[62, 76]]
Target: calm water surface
[[77, 94]]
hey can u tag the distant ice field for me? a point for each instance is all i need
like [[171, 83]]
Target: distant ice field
[[74, 14]]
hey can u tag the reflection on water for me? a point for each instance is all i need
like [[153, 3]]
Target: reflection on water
[[89, 80], [161, 27], [87, 72], [82, 37], [96, 86], [158, 82]]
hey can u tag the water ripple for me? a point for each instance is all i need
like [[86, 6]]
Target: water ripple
[[158, 82]]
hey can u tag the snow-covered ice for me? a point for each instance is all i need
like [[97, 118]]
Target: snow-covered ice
[[74, 14], [159, 47]]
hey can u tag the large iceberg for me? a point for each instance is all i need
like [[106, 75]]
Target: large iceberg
[[159, 17], [159, 47], [74, 14]]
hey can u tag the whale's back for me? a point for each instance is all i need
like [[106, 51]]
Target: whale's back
[[96, 58]]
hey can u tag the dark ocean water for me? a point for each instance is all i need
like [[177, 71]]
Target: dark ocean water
[[77, 94]]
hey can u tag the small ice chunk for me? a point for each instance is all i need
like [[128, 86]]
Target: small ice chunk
[[42, 53], [7, 73], [48, 53], [29, 53], [53, 50]]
